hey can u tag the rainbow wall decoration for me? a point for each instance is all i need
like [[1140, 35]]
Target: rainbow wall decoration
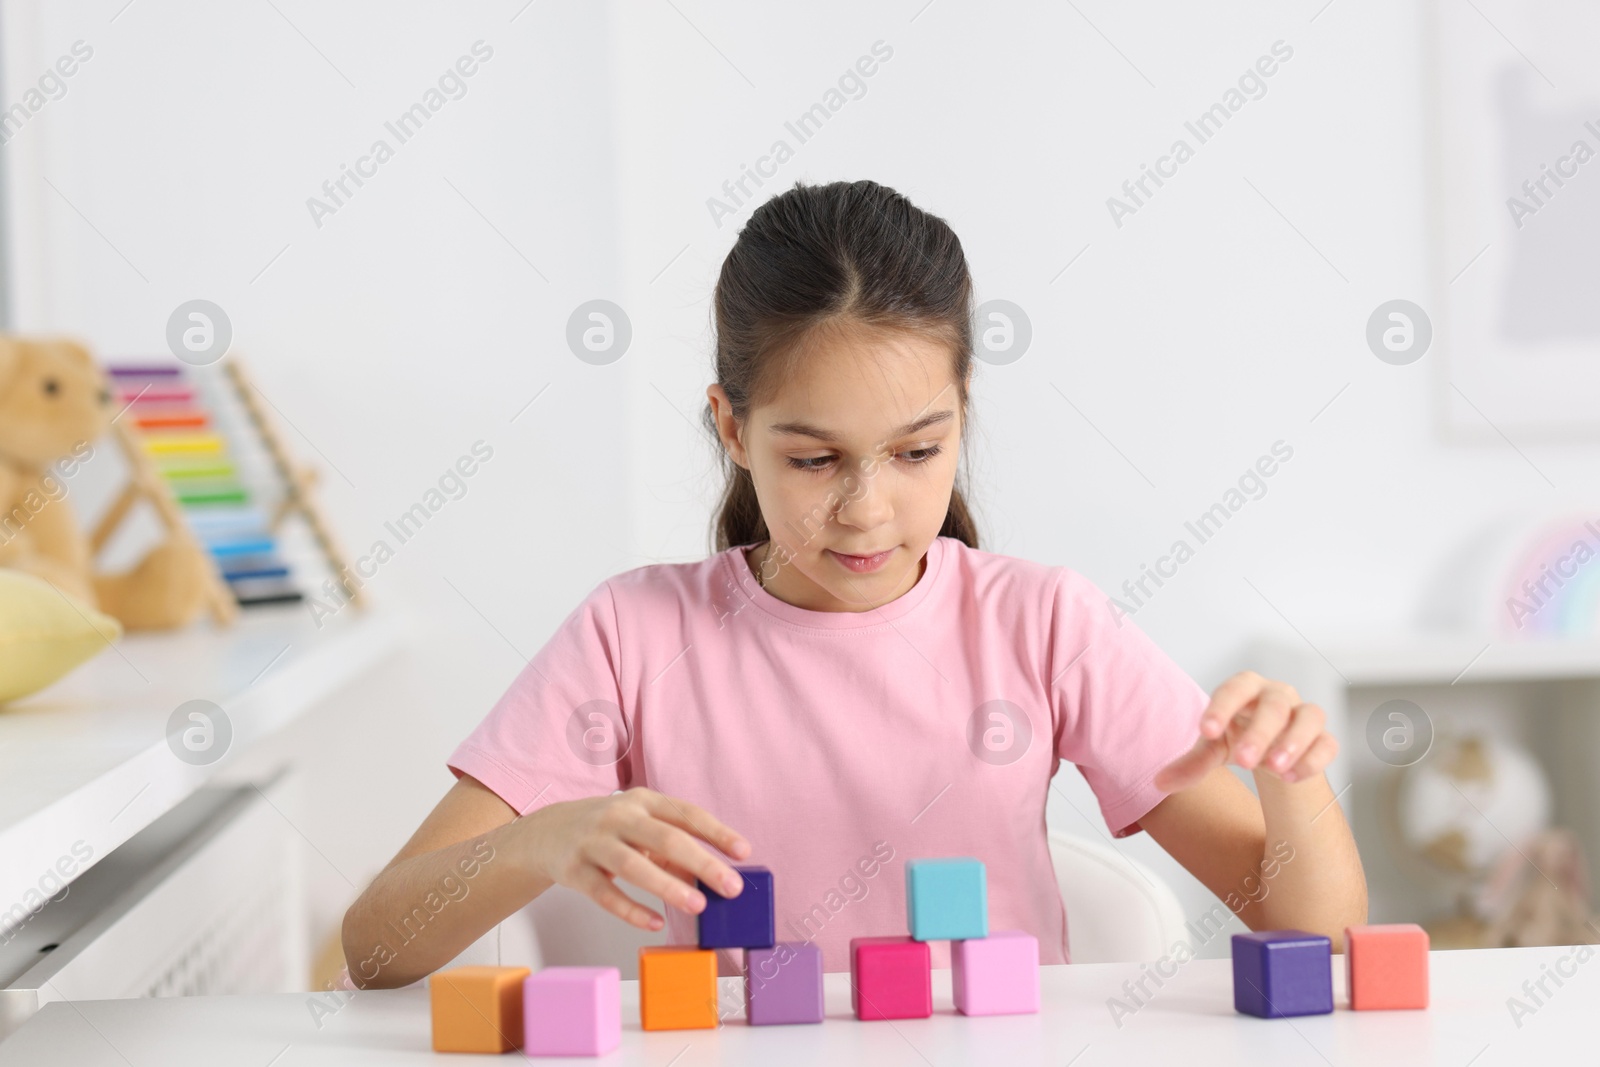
[[1553, 586], [181, 435]]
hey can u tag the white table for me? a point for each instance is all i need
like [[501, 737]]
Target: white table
[[1189, 1021]]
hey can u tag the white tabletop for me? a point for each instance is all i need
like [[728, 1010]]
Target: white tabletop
[[1189, 1021]]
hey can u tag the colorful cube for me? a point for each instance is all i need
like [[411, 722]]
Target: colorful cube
[[1386, 966], [477, 1009], [783, 984], [1278, 973], [744, 921], [891, 978], [996, 975], [677, 988], [946, 899], [572, 1011]]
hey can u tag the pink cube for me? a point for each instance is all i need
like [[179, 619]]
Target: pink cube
[[890, 978], [572, 1011], [996, 975], [1386, 966]]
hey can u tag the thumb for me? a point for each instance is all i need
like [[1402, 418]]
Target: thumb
[[1191, 767]]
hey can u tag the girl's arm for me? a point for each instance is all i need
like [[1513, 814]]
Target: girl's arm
[[1286, 860], [472, 862]]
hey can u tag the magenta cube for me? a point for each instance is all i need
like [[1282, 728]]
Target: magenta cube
[[996, 975], [891, 978], [783, 984], [572, 1011]]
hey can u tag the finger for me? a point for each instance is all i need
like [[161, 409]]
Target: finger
[[1305, 723], [632, 867], [683, 873], [666, 864], [1228, 700], [700, 822], [1315, 761], [603, 892], [1273, 707], [1191, 767], [676, 846]]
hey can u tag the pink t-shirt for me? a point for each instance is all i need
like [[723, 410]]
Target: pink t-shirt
[[842, 744]]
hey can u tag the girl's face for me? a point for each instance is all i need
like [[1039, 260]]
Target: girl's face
[[854, 462]]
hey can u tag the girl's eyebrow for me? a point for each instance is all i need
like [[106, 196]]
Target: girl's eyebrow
[[802, 429]]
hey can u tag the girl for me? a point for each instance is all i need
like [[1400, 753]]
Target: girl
[[849, 682]]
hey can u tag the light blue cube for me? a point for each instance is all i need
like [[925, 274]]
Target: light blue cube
[[947, 899]]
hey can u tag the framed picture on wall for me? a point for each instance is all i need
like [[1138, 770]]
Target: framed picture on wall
[[1516, 219]]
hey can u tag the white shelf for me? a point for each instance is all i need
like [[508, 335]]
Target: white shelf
[[1543, 694], [86, 761], [1426, 659]]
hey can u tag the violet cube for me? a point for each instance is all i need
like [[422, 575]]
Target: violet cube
[[783, 984], [572, 1011], [744, 921], [1277, 973]]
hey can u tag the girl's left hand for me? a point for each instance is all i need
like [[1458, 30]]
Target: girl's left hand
[[1260, 725]]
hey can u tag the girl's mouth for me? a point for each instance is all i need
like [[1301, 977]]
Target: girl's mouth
[[862, 564]]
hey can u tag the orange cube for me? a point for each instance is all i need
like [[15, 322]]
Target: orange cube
[[677, 988], [477, 1009], [1386, 966]]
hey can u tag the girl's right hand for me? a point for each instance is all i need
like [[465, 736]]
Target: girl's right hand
[[644, 837]]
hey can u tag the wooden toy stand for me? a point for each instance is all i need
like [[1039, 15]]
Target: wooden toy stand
[[297, 481], [146, 483]]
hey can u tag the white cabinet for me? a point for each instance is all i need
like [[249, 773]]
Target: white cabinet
[[1542, 695]]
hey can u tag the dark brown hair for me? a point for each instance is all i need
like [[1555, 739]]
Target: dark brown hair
[[825, 256]]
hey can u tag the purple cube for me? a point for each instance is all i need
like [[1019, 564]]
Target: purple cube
[[572, 1011], [783, 984], [1282, 972], [744, 921]]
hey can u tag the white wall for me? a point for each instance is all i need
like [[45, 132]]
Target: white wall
[[1192, 337], [406, 327], [392, 338]]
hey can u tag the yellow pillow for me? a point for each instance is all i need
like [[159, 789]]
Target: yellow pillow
[[43, 634]]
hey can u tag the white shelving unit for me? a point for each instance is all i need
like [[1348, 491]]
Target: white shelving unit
[[180, 877], [1543, 695], [86, 762]]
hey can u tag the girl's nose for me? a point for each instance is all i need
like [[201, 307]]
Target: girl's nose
[[869, 508]]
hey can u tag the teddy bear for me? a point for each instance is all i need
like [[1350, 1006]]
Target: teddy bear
[[54, 401]]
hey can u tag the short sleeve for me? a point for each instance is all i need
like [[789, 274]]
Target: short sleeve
[[559, 732], [1123, 709]]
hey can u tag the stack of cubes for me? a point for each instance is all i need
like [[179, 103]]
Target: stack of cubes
[[946, 900], [575, 1011], [1280, 973], [782, 979]]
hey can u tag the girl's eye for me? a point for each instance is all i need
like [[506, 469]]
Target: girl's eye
[[816, 464], [922, 454]]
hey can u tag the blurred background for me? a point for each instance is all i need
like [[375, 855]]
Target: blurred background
[[1358, 237]]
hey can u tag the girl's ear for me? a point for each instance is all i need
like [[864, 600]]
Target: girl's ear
[[729, 429]]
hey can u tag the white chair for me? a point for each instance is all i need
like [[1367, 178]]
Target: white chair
[[1117, 911]]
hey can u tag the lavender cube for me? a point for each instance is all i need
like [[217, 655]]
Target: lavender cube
[[783, 984], [1277, 973]]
